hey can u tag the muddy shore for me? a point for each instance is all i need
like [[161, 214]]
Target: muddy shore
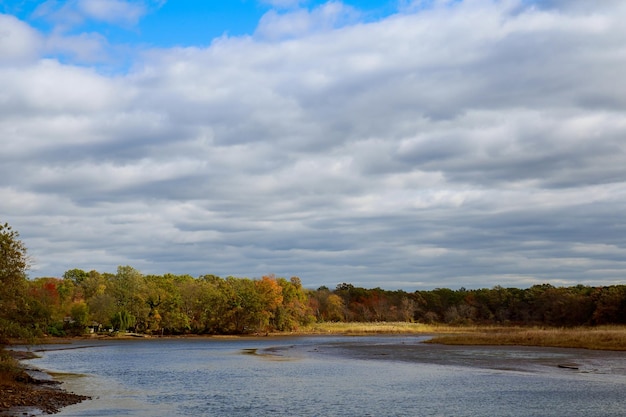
[[31, 396]]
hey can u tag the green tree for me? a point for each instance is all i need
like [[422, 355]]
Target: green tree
[[123, 320], [76, 275], [13, 296], [129, 291], [102, 308], [215, 302], [79, 312]]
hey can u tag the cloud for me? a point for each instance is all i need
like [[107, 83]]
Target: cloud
[[285, 4], [274, 25], [468, 144], [19, 43], [112, 11], [88, 48], [70, 14]]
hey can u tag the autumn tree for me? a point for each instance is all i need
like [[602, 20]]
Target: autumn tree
[[270, 295], [611, 305], [326, 306], [45, 305], [294, 310]]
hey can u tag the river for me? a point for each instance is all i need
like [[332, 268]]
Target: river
[[333, 376]]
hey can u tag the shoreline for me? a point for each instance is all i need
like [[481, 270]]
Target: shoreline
[[594, 338], [29, 396]]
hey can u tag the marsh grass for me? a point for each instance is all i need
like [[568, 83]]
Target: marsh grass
[[382, 328], [600, 338]]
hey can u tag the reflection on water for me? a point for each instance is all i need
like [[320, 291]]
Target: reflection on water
[[336, 376]]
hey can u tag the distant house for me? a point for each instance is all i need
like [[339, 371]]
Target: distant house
[[94, 327]]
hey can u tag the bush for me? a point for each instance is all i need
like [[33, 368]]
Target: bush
[[56, 330], [10, 370]]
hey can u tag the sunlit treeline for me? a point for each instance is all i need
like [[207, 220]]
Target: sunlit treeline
[[167, 304], [182, 304]]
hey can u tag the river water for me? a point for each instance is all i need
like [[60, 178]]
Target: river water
[[334, 376]]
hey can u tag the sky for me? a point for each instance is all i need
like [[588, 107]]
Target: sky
[[405, 144]]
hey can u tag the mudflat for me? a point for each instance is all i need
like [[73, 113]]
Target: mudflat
[[30, 396]]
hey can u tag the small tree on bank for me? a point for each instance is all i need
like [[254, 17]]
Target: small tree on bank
[[13, 303]]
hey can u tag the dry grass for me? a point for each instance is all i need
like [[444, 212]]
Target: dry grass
[[10, 370], [600, 338], [382, 328]]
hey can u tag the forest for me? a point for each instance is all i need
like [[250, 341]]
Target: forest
[[127, 300]]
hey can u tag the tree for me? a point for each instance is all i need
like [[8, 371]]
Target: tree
[[76, 275], [79, 313], [122, 321], [294, 309], [129, 290], [13, 265]]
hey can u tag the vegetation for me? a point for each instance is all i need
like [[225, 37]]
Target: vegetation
[[602, 338], [352, 328], [13, 286], [181, 304], [10, 371], [128, 300]]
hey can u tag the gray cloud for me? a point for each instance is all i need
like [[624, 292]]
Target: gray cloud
[[473, 144]]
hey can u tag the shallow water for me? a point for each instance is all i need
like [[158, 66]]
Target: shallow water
[[335, 376]]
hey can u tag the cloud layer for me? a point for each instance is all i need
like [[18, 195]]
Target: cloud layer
[[471, 143]]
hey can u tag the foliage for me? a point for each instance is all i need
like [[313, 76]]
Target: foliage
[[181, 304], [123, 320], [13, 302]]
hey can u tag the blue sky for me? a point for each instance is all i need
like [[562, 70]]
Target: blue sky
[[411, 144], [183, 22]]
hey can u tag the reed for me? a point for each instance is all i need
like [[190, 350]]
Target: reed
[[598, 338], [355, 328]]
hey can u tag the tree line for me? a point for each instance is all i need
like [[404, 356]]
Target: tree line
[[167, 304], [182, 304], [128, 300]]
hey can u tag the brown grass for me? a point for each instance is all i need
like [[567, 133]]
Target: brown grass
[[600, 338], [355, 328], [10, 370]]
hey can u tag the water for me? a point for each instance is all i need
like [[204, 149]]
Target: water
[[334, 376]]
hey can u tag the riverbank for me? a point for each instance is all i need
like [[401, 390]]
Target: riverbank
[[220, 376], [596, 338], [22, 395]]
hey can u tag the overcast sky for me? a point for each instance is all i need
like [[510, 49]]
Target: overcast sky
[[400, 144]]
